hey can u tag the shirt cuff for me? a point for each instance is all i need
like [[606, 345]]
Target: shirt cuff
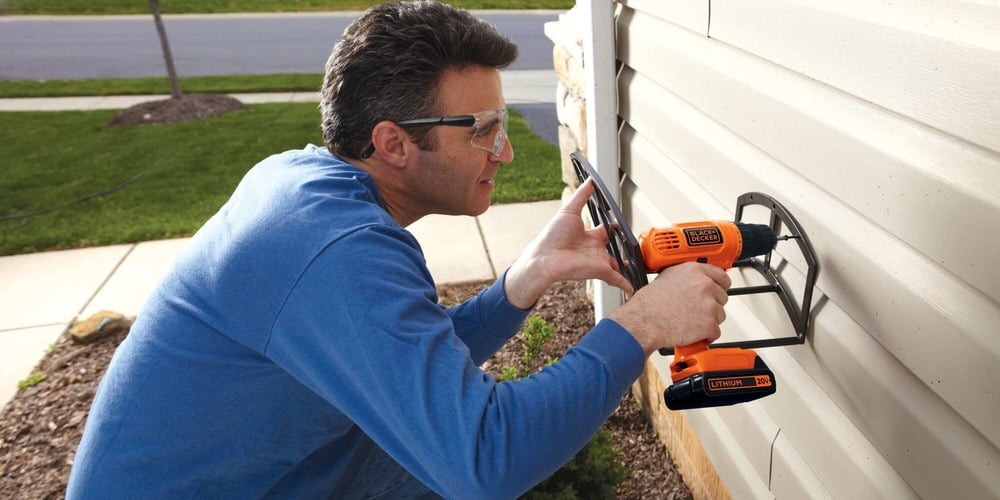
[[498, 313]]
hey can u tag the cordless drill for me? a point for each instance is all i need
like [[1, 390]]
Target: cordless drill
[[702, 376]]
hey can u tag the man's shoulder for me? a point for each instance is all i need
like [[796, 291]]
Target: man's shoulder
[[314, 180], [294, 205]]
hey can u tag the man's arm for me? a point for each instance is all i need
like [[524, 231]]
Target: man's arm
[[382, 352]]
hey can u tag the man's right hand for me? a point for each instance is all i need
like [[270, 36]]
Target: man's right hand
[[683, 305]]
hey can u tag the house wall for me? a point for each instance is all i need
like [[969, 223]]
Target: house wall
[[878, 126]]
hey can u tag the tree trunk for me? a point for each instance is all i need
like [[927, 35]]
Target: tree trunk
[[175, 86]]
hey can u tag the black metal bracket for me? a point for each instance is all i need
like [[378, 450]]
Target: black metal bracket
[[781, 222]]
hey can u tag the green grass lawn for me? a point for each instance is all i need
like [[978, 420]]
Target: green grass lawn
[[90, 7], [285, 82], [69, 181]]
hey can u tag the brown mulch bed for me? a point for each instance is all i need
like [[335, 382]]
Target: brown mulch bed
[[41, 426], [176, 110]]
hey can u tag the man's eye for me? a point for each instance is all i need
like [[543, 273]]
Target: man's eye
[[485, 128]]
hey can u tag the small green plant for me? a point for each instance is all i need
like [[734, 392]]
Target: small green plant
[[32, 380], [537, 333], [596, 471], [509, 373]]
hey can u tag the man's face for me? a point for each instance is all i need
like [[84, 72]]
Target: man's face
[[456, 178]]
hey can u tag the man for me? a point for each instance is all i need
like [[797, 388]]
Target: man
[[296, 349]]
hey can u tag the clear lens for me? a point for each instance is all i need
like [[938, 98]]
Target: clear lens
[[489, 133]]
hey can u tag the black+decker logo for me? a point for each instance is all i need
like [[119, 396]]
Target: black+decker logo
[[708, 235]]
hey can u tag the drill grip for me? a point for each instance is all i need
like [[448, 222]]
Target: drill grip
[[685, 351]]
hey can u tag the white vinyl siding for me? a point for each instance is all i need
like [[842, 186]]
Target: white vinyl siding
[[878, 126]]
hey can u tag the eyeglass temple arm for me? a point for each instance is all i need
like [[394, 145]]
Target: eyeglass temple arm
[[455, 121]]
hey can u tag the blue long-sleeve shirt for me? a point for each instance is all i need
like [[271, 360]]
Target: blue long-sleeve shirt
[[301, 318]]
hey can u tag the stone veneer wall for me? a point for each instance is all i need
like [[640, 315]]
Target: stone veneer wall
[[571, 106]]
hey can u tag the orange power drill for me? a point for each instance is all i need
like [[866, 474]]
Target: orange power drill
[[703, 376]]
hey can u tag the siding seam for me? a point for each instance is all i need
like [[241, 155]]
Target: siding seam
[[770, 461]]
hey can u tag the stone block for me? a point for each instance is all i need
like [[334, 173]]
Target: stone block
[[99, 325]]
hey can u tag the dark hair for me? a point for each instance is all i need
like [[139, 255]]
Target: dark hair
[[389, 64]]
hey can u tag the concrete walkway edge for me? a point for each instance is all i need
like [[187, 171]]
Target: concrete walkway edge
[[519, 86]]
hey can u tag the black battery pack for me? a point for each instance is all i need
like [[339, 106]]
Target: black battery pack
[[722, 388]]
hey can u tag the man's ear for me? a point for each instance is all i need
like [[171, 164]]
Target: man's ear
[[390, 142]]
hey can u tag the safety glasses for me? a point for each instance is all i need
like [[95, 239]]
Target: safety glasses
[[489, 129]]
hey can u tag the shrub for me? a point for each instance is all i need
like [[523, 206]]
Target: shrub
[[594, 472], [537, 333]]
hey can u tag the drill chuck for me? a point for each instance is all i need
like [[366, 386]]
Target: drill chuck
[[758, 239]]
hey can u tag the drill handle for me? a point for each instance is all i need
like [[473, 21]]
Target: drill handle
[[684, 351]]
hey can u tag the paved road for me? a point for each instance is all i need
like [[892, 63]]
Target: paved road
[[40, 48]]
